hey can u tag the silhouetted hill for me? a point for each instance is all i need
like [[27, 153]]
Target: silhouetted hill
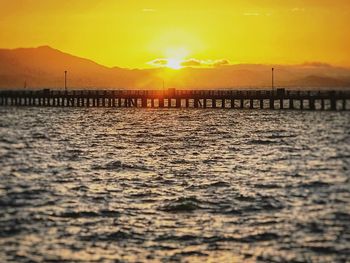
[[44, 66]]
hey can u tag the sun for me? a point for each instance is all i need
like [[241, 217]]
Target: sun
[[175, 57], [174, 63]]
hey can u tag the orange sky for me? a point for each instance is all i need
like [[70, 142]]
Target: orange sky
[[134, 32]]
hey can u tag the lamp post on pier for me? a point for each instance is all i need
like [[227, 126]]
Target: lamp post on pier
[[273, 79], [65, 81]]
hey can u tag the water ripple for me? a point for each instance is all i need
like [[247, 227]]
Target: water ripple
[[133, 185]]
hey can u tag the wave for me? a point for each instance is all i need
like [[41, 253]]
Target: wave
[[315, 184], [267, 186], [89, 214], [263, 142], [182, 204], [118, 165], [218, 184], [281, 136], [260, 237], [114, 236]]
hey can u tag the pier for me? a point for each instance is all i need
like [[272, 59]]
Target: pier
[[225, 99]]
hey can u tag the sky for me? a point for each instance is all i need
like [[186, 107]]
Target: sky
[[148, 33]]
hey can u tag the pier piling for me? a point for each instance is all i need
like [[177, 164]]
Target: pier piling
[[177, 99]]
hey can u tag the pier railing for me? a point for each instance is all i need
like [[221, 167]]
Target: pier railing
[[171, 98]]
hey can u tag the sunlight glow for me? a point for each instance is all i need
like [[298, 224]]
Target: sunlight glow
[[175, 56], [174, 63], [132, 33]]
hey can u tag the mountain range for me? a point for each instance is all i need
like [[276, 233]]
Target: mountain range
[[44, 67]]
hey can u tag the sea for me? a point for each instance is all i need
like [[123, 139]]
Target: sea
[[174, 185]]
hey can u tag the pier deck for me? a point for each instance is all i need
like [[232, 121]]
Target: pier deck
[[171, 98]]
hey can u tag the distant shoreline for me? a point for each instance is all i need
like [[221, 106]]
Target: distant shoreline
[[45, 67]]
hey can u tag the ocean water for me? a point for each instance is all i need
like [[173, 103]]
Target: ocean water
[[138, 185]]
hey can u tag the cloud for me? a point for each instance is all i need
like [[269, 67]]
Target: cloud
[[258, 14], [297, 9], [192, 62], [149, 10], [316, 64], [205, 63], [251, 14], [221, 62], [159, 62]]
